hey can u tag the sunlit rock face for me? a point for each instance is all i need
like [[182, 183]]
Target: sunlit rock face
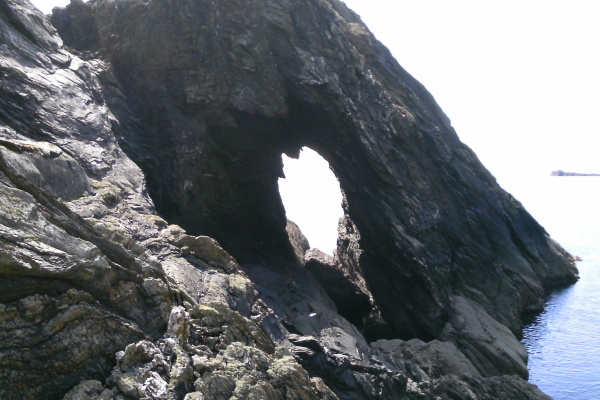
[[158, 127]]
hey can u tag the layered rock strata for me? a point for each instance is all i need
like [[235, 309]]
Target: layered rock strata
[[208, 96], [158, 127]]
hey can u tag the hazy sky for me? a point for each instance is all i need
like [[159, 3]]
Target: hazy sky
[[47, 5], [520, 81]]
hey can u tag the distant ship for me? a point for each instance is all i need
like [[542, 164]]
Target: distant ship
[[563, 173]]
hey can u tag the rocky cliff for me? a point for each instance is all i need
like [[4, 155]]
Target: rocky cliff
[[145, 251]]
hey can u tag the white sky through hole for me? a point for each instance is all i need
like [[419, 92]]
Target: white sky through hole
[[47, 5], [312, 198]]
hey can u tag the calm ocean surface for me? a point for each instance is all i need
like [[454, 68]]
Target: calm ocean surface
[[564, 341]]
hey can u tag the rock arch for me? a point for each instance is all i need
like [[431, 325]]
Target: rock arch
[[209, 94]]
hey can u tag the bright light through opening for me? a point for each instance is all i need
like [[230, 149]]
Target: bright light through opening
[[312, 198], [46, 6]]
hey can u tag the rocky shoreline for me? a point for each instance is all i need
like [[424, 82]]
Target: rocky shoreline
[[145, 250]]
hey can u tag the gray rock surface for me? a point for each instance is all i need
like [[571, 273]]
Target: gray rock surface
[[72, 294], [143, 243], [299, 242], [230, 88], [353, 301], [487, 343]]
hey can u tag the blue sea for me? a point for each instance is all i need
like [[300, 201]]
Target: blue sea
[[564, 341]]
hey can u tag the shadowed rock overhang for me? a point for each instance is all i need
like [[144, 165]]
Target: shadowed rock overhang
[[220, 90]]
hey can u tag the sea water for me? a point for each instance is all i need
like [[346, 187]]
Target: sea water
[[563, 342]]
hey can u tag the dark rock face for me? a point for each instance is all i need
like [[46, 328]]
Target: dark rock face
[[298, 240], [220, 90], [351, 301], [73, 289], [183, 109]]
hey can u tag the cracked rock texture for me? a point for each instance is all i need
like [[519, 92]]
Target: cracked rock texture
[[144, 249]]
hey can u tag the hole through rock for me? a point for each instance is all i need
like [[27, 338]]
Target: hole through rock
[[312, 198]]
